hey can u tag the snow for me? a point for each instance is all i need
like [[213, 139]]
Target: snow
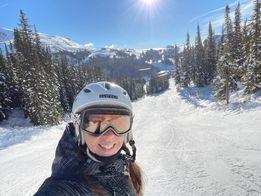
[[186, 145], [161, 66], [56, 43], [109, 52], [106, 52], [59, 43]]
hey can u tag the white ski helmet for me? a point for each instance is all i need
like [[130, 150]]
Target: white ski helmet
[[99, 94]]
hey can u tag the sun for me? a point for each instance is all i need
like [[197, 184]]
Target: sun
[[149, 3], [148, 9]]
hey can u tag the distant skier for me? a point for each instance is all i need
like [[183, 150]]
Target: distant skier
[[92, 157]]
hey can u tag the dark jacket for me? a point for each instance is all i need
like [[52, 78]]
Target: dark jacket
[[72, 164]]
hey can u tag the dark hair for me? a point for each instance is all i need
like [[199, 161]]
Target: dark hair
[[136, 176]]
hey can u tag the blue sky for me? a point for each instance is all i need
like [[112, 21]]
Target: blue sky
[[122, 23]]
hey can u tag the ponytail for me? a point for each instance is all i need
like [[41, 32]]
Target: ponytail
[[136, 176]]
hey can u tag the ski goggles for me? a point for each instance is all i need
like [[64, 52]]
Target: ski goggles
[[97, 121]]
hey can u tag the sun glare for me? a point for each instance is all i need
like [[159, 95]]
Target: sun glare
[[148, 9], [149, 3]]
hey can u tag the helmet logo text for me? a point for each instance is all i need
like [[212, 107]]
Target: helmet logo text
[[109, 96]]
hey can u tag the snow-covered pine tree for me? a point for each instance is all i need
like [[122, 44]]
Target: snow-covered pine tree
[[221, 43], [67, 86], [33, 71], [237, 49], [22, 59], [252, 78], [48, 91], [210, 51], [224, 80], [3, 87], [193, 68], [185, 75], [177, 66], [228, 30], [229, 48], [14, 86], [245, 43], [81, 77], [199, 56], [24, 71]]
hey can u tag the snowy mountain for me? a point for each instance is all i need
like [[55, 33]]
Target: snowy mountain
[[61, 44], [186, 145], [56, 43]]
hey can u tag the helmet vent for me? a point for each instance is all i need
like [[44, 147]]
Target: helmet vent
[[125, 93], [107, 86], [86, 90]]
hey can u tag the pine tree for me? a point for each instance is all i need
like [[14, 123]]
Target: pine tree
[[23, 60], [228, 31], [14, 85], [177, 66], [252, 78], [224, 80], [245, 43], [210, 51], [200, 71], [220, 46], [193, 64], [65, 75], [237, 49], [229, 48], [186, 64], [3, 86], [34, 74]]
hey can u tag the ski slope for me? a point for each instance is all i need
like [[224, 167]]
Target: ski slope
[[183, 149]]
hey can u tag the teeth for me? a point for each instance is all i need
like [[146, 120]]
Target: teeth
[[107, 147]]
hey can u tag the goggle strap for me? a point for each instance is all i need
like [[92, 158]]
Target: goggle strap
[[79, 135]]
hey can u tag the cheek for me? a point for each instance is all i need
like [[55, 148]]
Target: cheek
[[120, 141], [92, 142]]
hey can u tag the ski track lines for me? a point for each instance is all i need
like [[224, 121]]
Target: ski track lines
[[183, 149], [186, 150]]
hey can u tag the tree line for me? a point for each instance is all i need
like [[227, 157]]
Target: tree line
[[227, 62], [30, 78]]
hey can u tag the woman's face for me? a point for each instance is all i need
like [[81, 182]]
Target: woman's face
[[106, 144]]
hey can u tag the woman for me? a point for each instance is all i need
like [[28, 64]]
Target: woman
[[92, 157]]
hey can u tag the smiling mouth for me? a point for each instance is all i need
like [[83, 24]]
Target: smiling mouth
[[107, 147]]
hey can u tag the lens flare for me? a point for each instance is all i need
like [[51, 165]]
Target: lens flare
[[147, 10], [149, 3]]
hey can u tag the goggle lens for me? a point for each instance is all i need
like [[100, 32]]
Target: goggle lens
[[96, 123]]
